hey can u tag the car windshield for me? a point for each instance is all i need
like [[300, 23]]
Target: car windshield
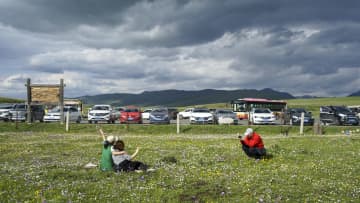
[[66, 109], [131, 110], [225, 111], [298, 110], [342, 109], [159, 111], [101, 108], [262, 111], [6, 107], [201, 111], [20, 106]]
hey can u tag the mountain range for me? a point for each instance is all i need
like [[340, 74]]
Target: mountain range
[[355, 94], [182, 97]]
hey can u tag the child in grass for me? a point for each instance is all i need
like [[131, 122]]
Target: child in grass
[[106, 162], [123, 161]]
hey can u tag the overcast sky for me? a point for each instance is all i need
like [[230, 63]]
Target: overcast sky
[[302, 47]]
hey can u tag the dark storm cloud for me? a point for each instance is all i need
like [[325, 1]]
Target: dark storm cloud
[[230, 44], [57, 16]]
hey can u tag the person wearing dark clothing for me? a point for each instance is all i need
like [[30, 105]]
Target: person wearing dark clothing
[[123, 161], [252, 144]]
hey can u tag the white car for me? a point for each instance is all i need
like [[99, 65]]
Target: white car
[[5, 111], [54, 114], [201, 116], [146, 114], [101, 112], [186, 113], [262, 116]]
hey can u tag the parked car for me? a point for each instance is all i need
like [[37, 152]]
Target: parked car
[[261, 116], [146, 114], [117, 111], [54, 114], [225, 116], [172, 113], [131, 115], [201, 116], [186, 113], [355, 109], [101, 112], [159, 115], [5, 111], [19, 112], [337, 115], [292, 116]]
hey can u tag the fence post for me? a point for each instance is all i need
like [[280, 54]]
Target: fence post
[[317, 128], [302, 124], [28, 101], [177, 124], [67, 120], [61, 98]]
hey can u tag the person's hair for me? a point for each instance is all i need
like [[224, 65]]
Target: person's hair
[[119, 145]]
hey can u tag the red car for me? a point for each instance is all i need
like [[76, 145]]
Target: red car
[[131, 115]]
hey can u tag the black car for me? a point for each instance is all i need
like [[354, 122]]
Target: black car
[[292, 116], [337, 115]]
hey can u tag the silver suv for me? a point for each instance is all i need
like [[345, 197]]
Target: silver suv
[[19, 112]]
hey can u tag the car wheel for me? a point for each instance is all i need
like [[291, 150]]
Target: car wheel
[[90, 122], [78, 120]]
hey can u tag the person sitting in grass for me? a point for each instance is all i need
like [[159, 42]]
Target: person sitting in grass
[[106, 162], [123, 161], [252, 144]]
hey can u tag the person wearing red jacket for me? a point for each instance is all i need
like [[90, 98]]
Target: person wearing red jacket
[[252, 144]]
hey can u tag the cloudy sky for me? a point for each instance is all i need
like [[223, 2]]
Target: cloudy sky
[[126, 46]]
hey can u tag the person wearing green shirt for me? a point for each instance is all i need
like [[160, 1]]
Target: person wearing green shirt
[[106, 162]]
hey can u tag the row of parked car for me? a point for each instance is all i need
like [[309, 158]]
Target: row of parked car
[[329, 115], [18, 112]]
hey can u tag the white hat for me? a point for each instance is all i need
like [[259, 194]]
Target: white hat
[[248, 131], [112, 139]]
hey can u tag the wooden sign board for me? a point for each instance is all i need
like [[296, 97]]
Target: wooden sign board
[[45, 93]]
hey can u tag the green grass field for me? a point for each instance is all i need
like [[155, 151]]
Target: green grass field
[[42, 163]]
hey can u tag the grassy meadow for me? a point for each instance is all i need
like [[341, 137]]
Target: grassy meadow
[[43, 163]]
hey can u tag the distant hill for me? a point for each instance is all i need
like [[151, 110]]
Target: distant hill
[[182, 97], [355, 94], [10, 100], [306, 97]]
